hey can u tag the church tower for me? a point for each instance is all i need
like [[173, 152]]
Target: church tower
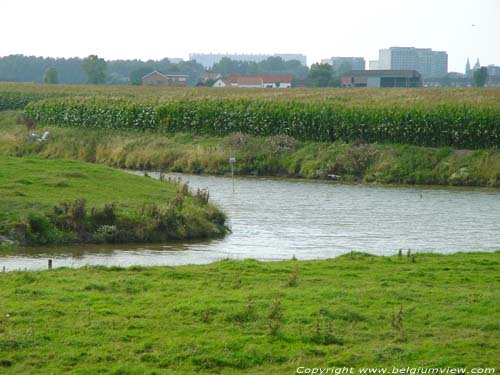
[[467, 68], [477, 65]]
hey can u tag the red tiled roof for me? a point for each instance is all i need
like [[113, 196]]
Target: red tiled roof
[[249, 81], [272, 78]]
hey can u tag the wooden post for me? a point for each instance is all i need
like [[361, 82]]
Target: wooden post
[[50, 264], [232, 161]]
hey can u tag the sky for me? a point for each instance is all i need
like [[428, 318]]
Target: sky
[[150, 29]]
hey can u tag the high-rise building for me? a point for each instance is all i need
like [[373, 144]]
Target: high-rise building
[[209, 59], [355, 63], [429, 63], [493, 70]]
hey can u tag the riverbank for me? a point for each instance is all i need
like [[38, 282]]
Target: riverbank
[[262, 156], [245, 317], [53, 201]]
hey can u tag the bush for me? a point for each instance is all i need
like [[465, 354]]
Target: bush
[[40, 230]]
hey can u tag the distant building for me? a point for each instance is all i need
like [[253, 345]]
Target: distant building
[[159, 79], [356, 63], [209, 59], [477, 65], [468, 70], [281, 81], [373, 65], [175, 60], [208, 76], [382, 78], [429, 63], [493, 70]]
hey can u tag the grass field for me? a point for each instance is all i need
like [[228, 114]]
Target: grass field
[[30, 188], [247, 317]]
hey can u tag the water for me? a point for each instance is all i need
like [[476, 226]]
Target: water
[[275, 219]]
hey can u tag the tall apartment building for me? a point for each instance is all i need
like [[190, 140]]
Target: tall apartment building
[[429, 63], [357, 63], [209, 59], [493, 70]]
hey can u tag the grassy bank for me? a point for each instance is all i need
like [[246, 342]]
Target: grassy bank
[[253, 318], [48, 201], [276, 156]]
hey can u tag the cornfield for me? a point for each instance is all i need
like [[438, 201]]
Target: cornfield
[[455, 125], [461, 118]]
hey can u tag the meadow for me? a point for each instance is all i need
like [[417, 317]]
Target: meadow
[[248, 317], [57, 201]]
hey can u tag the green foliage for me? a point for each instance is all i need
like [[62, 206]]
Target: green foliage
[[480, 77], [51, 76], [11, 100], [321, 75], [137, 74], [40, 230], [94, 69], [438, 125]]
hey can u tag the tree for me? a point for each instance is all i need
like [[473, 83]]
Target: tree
[[344, 68], [321, 75], [95, 69], [137, 74], [480, 77], [51, 76]]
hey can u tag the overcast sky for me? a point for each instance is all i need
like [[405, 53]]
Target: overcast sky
[[150, 29]]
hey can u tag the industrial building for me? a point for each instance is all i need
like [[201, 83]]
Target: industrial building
[[429, 63], [382, 78]]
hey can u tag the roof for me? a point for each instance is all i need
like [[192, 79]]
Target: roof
[[264, 78], [166, 76], [249, 81], [387, 73], [272, 78]]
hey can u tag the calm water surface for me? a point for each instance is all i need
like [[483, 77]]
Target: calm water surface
[[276, 219]]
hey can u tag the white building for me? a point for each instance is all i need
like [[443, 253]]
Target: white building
[[429, 63]]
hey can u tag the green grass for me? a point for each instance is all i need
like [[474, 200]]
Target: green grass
[[32, 186], [270, 156], [247, 317]]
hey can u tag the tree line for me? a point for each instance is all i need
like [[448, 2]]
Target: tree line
[[95, 70]]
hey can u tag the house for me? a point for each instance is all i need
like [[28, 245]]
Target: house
[[382, 78], [159, 79], [256, 81]]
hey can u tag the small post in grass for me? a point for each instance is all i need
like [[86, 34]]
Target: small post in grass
[[50, 264], [232, 161]]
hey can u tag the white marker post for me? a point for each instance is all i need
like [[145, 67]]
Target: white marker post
[[232, 161]]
